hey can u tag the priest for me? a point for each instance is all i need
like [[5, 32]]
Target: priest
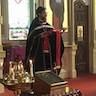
[[44, 45]]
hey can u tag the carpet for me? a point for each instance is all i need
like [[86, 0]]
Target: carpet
[[86, 84]]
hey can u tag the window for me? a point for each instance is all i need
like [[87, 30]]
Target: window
[[19, 19]]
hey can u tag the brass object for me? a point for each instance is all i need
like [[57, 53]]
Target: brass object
[[18, 79], [17, 74]]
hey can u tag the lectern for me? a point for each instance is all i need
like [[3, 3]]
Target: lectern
[[47, 82]]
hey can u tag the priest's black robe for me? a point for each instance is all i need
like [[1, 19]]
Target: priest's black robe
[[34, 48]]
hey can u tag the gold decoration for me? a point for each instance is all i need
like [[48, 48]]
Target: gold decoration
[[17, 74]]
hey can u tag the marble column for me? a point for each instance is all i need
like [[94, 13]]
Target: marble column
[[93, 33], [72, 38], [68, 60]]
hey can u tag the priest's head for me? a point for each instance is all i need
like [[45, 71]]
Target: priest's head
[[41, 13]]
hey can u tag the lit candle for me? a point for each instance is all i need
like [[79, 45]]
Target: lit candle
[[31, 68], [67, 90], [1, 64], [10, 66], [1, 70], [13, 74], [21, 67]]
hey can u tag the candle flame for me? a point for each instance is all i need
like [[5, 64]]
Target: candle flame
[[1, 64], [67, 89], [30, 61]]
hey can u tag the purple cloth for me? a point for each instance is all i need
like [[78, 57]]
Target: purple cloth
[[18, 52]]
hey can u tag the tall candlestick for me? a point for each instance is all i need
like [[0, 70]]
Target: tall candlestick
[[31, 68]]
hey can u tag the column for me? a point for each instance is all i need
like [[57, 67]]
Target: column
[[93, 34], [2, 53], [72, 37], [68, 60]]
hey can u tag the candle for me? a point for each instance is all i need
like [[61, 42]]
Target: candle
[[13, 74], [67, 90], [1, 64], [1, 70], [10, 66], [21, 67], [31, 68]]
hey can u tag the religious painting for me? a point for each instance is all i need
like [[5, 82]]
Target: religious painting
[[80, 33], [57, 13]]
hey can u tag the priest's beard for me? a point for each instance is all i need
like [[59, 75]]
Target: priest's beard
[[43, 19]]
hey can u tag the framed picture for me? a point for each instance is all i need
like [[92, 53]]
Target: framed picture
[[80, 33]]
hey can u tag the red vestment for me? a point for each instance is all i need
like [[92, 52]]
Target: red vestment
[[46, 46]]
